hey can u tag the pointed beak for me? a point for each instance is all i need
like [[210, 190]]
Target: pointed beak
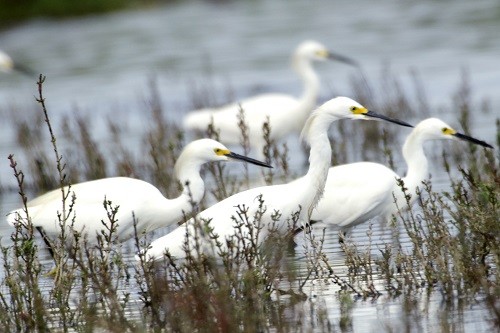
[[471, 139], [391, 120], [341, 58], [24, 70], [247, 159]]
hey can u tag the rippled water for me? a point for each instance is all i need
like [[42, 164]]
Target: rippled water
[[102, 65]]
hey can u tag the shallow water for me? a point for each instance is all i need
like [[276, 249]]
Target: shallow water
[[102, 65]]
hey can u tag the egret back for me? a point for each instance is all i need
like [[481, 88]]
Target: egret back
[[225, 216], [355, 193], [132, 196], [278, 107]]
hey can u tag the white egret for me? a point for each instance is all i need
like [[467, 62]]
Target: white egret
[[133, 196], [299, 196], [286, 114], [8, 65], [357, 192]]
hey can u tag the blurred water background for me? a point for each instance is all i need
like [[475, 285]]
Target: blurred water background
[[100, 66]]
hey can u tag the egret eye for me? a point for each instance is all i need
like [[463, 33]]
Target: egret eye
[[220, 151], [353, 108], [322, 53], [448, 131]]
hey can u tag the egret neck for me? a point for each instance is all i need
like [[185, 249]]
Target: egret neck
[[311, 82], [413, 153], [315, 133]]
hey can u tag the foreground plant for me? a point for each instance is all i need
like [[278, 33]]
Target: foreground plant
[[448, 245], [94, 286]]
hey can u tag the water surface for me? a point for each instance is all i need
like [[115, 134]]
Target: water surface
[[99, 66]]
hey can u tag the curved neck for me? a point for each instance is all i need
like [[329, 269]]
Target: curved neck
[[179, 208], [160, 211], [311, 84], [187, 171], [193, 187], [418, 169], [319, 157]]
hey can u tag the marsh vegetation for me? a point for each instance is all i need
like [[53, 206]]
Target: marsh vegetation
[[447, 246]]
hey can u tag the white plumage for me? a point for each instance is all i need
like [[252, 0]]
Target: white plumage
[[298, 197], [133, 196], [357, 192], [8, 65], [287, 114]]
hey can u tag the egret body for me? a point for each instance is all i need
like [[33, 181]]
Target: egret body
[[296, 198], [133, 196], [357, 192]]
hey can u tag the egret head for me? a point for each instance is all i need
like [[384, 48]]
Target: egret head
[[6, 63], [436, 129], [344, 107], [203, 151]]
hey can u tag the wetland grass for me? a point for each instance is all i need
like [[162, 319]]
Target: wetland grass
[[447, 244]]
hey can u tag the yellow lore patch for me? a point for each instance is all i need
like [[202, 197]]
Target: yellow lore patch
[[221, 152], [448, 131], [322, 53], [358, 110]]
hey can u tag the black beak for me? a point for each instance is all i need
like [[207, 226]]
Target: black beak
[[392, 120], [248, 160], [24, 70], [471, 139], [341, 58]]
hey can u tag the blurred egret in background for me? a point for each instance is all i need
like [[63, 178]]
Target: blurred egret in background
[[8, 65], [286, 114]]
